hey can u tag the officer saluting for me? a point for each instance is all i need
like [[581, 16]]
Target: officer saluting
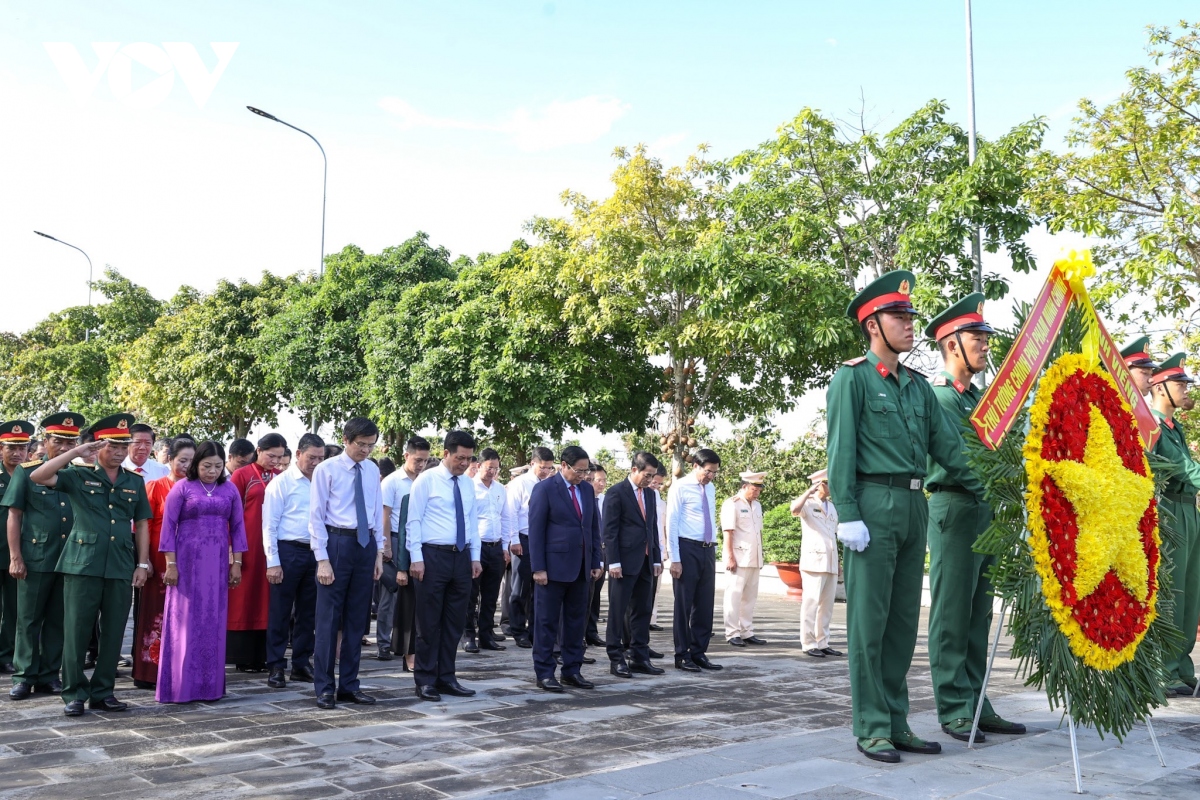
[[100, 558], [39, 521], [960, 615], [14, 448], [884, 425]]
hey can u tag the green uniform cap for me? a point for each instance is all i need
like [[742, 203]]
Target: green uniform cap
[[965, 315], [890, 292], [1172, 370], [64, 425], [16, 431], [113, 428], [1137, 353]]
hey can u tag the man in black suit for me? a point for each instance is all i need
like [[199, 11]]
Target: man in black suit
[[634, 561], [564, 554]]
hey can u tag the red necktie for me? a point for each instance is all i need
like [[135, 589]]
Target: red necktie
[[575, 499]]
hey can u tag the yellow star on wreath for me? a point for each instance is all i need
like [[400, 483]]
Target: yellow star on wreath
[[1106, 529]]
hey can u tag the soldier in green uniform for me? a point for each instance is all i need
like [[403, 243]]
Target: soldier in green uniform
[[1136, 356], [960, 614], [1169, 393], [101, 557], [39, 521], [884, 425], [14, 448]]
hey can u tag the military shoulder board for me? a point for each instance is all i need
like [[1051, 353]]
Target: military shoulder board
[[37, 462], [940, 380], [854, 362]]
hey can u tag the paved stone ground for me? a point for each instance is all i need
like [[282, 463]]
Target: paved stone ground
[[773, 724]]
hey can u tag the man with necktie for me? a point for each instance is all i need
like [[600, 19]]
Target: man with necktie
[[442, 536], [631, 543], [564, 554], [691, 519], [346, 530]]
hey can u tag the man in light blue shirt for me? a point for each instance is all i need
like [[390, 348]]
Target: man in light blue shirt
[[495, 535], [692, 528], [443, 544]]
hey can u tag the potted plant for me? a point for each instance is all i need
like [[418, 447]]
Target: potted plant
[[781, 536]]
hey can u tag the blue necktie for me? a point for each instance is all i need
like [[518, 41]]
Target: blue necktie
[[460, 520], [708, 531], [360, 508]]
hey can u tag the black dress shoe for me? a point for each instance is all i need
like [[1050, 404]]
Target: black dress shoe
[[815, 653], [653, 653], [137, 684], [356, 696], [385, 654], [596, 641], [53, 687], [500, 637], [469, 645], [490, 645], [550, 684], [124, 661], [589, 660], [654, 626], [74, 708], [829, 651], [703, 662], [327, 700], [620, 669], [109, 703], [428, 693], [558, 659], [523, 641], [7, 667], [737, 641], [89, 661], [20, 691], [276, 679], [578, 681], [455, 689], [754, 640], [302, 674], [686, 665], [912, 744], [645, 668]]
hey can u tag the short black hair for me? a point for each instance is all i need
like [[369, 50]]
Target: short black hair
[[333, 450], [205, 450], [662, 470], [416, 444], [239, 448], [457, 439], [309, 440], [575, 454], [432, 462], [271, 441], [543, 454], [705, 456], [474, 459], [642, 459], [141, 427], [178, 445], [488, 454], [386, 467], [595, 466], [287, 452], [359, 427]]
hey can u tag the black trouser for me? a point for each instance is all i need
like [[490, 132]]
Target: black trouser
[[521, 607], [442, 596], [340, 606], [629, 599], [594, 594], [506, 596], [298, 591], [694, 595], [485, 591], [561, 615]]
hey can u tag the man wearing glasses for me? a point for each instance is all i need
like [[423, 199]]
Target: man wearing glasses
[[692, 528]]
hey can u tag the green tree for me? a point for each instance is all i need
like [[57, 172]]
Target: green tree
[[314, 353], [197, 369]]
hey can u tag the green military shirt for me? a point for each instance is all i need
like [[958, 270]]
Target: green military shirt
[[958, 400], [101, 542], [887, 424], [5, 480], [46, 519], [1172, 446]]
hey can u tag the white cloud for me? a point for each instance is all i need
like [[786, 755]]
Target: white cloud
[[555, 125]]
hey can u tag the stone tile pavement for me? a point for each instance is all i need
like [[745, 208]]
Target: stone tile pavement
[[773, 724]]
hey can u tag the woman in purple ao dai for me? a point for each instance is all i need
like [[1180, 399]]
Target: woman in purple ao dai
[[202, 524]]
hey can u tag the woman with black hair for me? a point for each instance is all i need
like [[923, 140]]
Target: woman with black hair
[[202, 525]]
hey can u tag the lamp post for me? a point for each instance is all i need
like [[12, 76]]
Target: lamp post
[[324, 178], [975, 248], [86, 332]]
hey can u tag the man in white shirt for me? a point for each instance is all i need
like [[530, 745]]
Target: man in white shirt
[[541, 466], [495, 535], [139, 459], [599, 480], [818, 564], [395, 488], [742, 521], [443, 545], [346, 528], [691, 531], [291, 565], [661, 508]]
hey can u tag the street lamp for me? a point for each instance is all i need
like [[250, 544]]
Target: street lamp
[[324, 178], [86, 332], [976, 256]]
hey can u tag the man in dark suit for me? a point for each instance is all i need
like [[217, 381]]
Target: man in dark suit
[[634, 561], [564, 554]]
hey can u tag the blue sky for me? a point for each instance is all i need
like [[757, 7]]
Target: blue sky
[[463, 119]]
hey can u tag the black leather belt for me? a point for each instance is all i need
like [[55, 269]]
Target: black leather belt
[[298, 543], [491, 544], [897, 481], [698, 544], [347, 531], [1179, 498], [444, 547], [939, 487]]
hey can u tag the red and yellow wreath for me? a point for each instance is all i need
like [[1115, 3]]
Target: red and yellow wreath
[[1093, 520]]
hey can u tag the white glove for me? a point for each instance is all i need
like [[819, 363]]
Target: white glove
[[854, 535]]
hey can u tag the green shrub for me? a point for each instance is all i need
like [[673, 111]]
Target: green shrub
[[781, 535]]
